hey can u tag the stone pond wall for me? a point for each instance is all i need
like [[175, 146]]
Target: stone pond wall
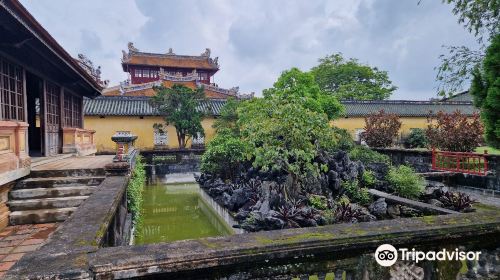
[[172, 161], [421, 161]]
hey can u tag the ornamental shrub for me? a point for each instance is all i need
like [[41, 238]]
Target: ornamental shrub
[[416, 139], [318, 201], [405, 181], [454, 132], [356, 193], [224, 155], [381, 129], [367, 155], [344, 139], [368, 178], [135, 188]]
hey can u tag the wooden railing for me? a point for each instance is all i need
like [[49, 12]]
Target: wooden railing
[[469, 163]]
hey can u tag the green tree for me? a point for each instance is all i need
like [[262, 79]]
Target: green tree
[[285, 136], [300, 87], [228, 117], [224, 154], [482, 19], [347, 79], [485, 89], [179, 107]]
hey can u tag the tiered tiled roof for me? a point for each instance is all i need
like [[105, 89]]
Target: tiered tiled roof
[[169, 59], [139, 106], [191, 81], [136, 106]]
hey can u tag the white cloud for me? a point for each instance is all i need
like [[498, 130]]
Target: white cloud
[[99, 29], [256, 40]]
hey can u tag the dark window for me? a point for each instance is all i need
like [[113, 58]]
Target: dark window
[[72, 110], [11, 91]]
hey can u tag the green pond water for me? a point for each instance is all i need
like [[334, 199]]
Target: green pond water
[[177, 212]]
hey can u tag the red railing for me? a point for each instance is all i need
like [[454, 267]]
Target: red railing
[[470, 163]]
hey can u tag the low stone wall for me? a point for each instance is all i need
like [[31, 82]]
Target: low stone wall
[[421, 161], [172, 161]]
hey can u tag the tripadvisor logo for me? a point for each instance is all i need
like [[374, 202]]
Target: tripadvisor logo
[[387, 255]]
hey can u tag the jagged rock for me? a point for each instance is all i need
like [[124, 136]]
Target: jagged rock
[[239, 198], [409, 212], [380, 169], [393, 211], [435, 202], [378, 208], [273, 222], [367, 218], [264, 208], [241, 215]]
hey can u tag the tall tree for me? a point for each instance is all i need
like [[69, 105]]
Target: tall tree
[[348, 79], [482, 19], [179, 107], [485, 89], [296, 86]]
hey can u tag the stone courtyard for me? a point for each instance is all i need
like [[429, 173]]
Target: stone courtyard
[[16, 241]]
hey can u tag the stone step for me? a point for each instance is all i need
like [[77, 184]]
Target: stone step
[[46, 203], [51, 192], [55, 182], [67, 173], [40, 216]]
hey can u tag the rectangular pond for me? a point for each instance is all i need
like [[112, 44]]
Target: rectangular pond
[[176, 212]]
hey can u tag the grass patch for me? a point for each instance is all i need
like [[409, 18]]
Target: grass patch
[[491, 150]]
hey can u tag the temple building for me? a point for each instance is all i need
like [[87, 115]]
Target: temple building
[[128, 102], [41, 98]]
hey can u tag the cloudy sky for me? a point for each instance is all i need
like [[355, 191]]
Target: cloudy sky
[[256, 40]]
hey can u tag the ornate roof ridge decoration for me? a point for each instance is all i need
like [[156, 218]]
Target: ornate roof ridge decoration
[[413, 102], [94, 72], [133, 51], [232, 91], [127, 87]]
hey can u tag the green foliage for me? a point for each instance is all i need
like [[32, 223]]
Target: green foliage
[[405, 181], [356, 193], [367, 155], [135, 188], [485, 89], [285, 136], [343, 139], [416, 139], [479, 17], [347, 79], [295, 86], [318, 201], [482, 19], [368, 178], [224, 154], [179, 107], [381, 129], [228, 117], [454, 132]]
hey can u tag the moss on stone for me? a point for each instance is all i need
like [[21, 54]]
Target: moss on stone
[[294, 238]]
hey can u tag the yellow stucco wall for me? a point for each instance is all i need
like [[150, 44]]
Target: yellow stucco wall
[[143, 128], [353, 124]]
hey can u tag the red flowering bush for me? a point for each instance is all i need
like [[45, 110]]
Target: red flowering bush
[[381, 129], [454, 132]]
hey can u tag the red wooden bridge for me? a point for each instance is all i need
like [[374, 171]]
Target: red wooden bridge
[[469, 163]]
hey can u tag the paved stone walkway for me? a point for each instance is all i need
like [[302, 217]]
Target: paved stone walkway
[[15, 241]]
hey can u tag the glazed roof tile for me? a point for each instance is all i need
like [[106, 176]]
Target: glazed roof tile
[[139, 106]]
